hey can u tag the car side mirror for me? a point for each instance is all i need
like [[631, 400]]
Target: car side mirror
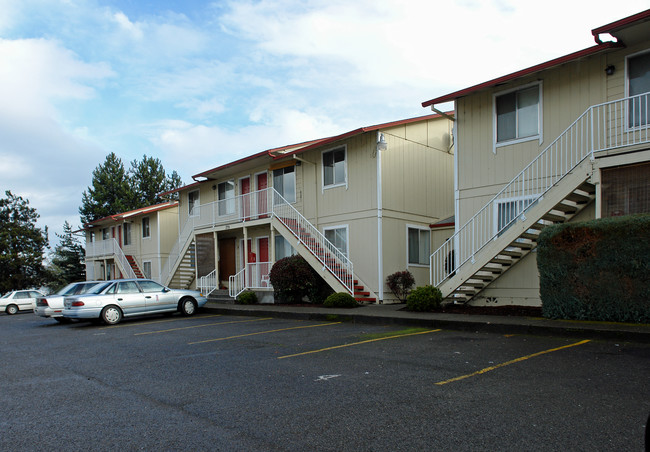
[[166, 289]]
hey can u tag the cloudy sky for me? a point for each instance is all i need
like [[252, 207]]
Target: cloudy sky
[[200, 83]]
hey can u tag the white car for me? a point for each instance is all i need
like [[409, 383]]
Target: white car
[[112, 300], [52, 305], [19, 300]]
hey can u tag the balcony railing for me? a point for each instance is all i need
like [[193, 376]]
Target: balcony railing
[[254, 276], [602, 127], [110, 249]]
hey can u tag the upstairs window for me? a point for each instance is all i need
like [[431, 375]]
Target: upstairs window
[[518, 115], [334, 168], [284, 182], [146, 231], [638, 80], [127, 234], [226, 193], [193, 203], [105, 234]]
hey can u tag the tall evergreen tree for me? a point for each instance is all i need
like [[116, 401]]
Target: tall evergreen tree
[[148, 178], [22, 245], [110, 193], [67, 259]]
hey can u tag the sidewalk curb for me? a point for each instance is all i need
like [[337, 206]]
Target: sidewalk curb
[[494, 324]]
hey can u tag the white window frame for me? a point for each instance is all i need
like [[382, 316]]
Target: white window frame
[[428, 254], [148, 228], [521, 206], [627, 92], [540, 114], [347, 237], [227, 203], [106, 234], [295, 183], [127, 234], [345, 168], [193, 207], [144, 269], [285, 242]]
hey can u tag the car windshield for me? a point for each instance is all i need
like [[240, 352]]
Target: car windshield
[[67, 290], [6, 295], [99, 288]]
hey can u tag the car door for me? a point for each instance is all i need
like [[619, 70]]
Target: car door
[[23, 300], [129, 297], [157, 297], [33, 295]]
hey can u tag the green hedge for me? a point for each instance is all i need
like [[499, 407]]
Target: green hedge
[[596, 270]]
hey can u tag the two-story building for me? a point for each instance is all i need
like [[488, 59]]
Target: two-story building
[[132, 244], [565, 140], [357, 206]]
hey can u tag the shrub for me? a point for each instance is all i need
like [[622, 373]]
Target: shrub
[[340, 300], [293, 279], [425, 298], [400, 283], [596, 270], [246, 297]]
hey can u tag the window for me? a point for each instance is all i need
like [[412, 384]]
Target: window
[[146, 269], [127, 287], [334, 168], [226, 193], [146, 231], [105, 234], [283, 248], [150, 286], [638, 74], [193, 203], [418, 246], [91, 236], [339, 238], [284, 182], [507, 210], [625, 190], [127, 234], [517, 114]]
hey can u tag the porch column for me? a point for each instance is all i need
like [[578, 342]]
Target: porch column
[[272, 246], [245, 247], [216, 258]]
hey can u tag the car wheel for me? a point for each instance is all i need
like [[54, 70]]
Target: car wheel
[[62, 319], [12, 309], [188, 306], [111, 315]]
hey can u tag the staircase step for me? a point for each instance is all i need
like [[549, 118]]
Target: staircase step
[[556, 218], [512, 253], [522, 245], [530, 236], [501, 261], [565, 208]]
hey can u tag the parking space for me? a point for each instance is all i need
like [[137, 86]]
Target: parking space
[[264, 383]]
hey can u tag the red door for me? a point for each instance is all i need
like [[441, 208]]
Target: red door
[[262, 195], [245, 189]]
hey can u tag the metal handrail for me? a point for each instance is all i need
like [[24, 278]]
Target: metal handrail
[[327, 254], [208, 283], [110, 247], [601, 127]]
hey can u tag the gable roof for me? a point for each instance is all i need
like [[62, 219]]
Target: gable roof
[[134, 213], [612, 28]]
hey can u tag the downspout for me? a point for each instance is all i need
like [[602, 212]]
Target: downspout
[[380, 249]]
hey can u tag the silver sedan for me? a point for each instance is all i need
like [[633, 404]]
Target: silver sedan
[[113, 300], [52, 305]]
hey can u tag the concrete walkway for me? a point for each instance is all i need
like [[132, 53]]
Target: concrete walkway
[[394, 314]]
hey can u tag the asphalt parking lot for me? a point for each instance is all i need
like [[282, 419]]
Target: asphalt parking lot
[[215, 382]]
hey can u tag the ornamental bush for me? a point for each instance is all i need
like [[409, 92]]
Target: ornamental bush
[[400, 283], [246, 297], [425, 298], [293, 279], [596, 270], [340, 300]]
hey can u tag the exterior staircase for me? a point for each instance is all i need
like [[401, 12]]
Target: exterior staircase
[[134, 266], [185, 272], [552, 189]]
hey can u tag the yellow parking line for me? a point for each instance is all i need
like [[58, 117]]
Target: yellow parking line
[[201, 326], [357, 343], [125, 325], [264, 332], [523, 358]]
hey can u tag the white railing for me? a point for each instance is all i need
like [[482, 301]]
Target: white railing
[[329, 255], [255, 276], [110, 248], [247, 207], [602, 127], [208, 283]]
